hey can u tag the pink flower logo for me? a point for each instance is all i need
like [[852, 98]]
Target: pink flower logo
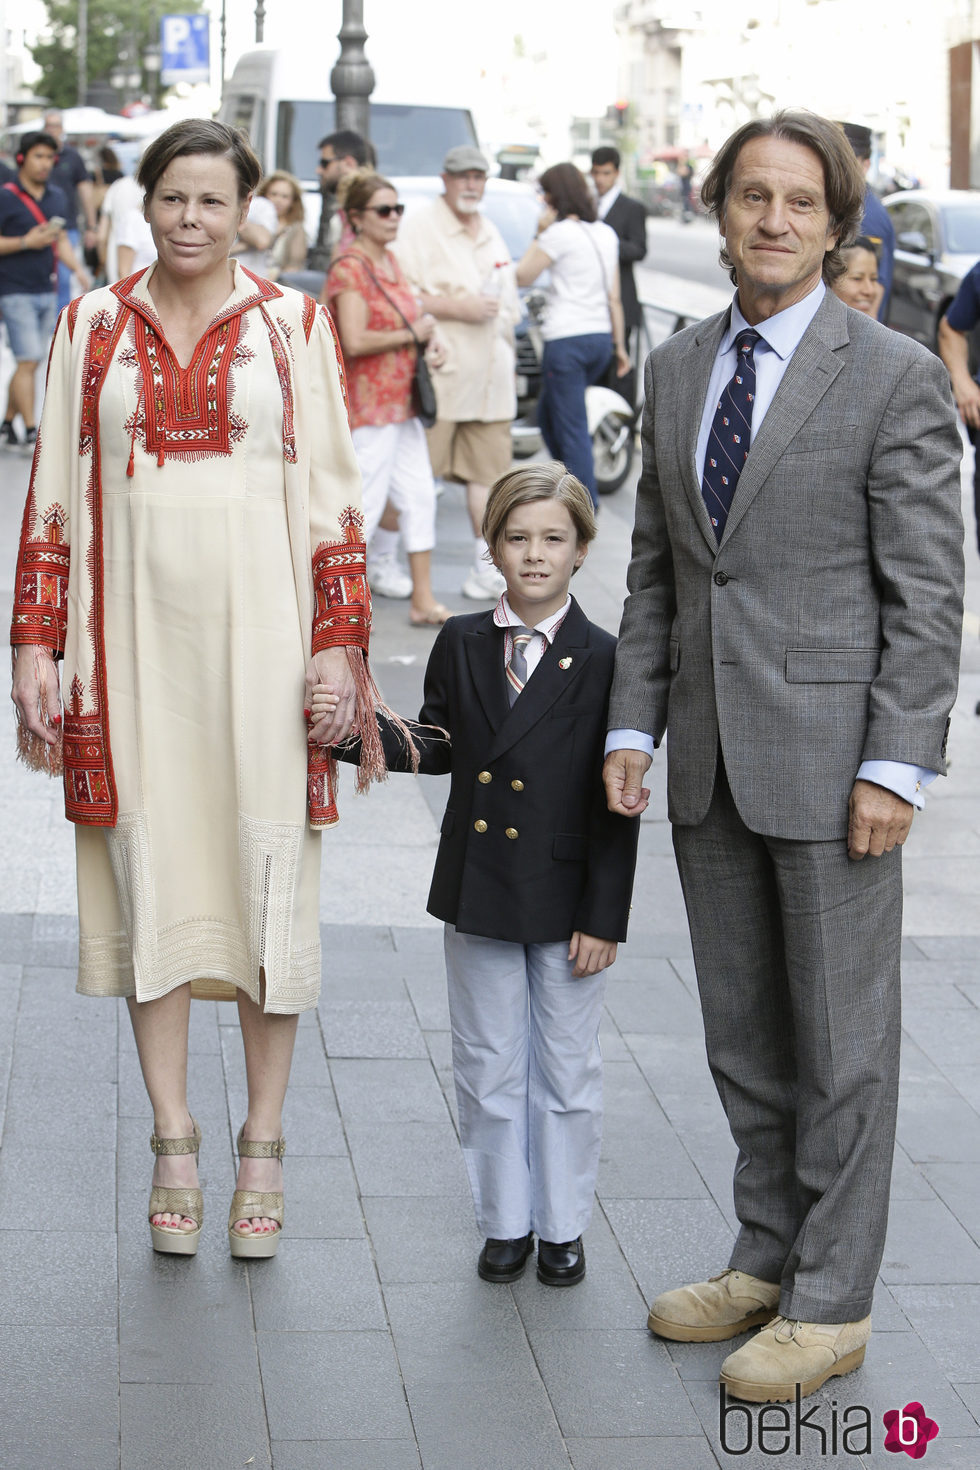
[[909, 1429]]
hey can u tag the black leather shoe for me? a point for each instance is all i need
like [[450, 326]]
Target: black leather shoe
[[504, 1260], [561, 1264]]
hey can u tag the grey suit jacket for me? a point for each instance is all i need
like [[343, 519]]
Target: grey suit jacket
[[825, 629]]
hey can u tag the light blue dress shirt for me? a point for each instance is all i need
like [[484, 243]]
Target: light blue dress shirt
[[780, 336]]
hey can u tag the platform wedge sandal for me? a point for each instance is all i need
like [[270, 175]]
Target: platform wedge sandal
[[164, 1200], [247, 1204]]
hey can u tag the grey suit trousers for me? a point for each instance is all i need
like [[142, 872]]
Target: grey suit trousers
[[797, 950]]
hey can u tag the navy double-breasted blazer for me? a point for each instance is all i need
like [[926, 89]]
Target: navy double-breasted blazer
[[529, 851]]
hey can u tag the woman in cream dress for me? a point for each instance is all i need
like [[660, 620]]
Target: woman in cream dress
[[192, 551]]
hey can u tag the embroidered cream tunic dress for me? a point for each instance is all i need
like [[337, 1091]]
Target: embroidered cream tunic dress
[[210, 538]]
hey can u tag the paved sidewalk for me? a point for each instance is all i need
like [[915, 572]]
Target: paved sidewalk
[[369, 1343]]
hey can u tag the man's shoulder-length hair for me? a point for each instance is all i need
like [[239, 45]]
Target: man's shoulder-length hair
[[844, 184]]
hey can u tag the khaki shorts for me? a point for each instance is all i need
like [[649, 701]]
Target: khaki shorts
[[474, 453]]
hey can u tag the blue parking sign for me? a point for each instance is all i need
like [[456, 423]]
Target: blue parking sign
[[185, 49]]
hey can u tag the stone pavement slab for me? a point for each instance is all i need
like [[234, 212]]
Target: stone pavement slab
[[369, 1343]]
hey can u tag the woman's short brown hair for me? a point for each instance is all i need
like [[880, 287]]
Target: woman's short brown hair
[[568, 192], [355, 191], [199, 135], [544, 480], [843, 180]]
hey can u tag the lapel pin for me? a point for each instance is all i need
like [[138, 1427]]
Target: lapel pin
[[564, 663]]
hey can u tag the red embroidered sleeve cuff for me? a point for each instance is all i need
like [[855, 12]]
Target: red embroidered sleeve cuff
[[342, 614], [41, 595]]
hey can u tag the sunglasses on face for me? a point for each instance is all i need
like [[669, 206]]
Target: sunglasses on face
[[384, 210]]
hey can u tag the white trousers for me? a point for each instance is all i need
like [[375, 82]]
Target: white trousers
[[394, 464], [528, 1083]]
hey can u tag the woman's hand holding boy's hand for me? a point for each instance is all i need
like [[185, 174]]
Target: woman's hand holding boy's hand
[[590, 955], [330, 697]]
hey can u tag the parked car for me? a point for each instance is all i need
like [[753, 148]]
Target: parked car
[[937, 240]]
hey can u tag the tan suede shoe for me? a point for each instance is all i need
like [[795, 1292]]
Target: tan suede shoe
[[784, 1354], [715, 1310]]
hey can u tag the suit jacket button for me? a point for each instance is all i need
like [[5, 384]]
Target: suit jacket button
[[479, 825], [721, 578], [517, 786], [484, 778], [512, 833]]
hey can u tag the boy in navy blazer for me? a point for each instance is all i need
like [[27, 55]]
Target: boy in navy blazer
[[533, 876]]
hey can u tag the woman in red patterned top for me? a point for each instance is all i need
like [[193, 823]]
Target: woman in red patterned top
[[373, 306]]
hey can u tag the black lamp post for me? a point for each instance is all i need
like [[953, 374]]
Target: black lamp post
[[352, 80]]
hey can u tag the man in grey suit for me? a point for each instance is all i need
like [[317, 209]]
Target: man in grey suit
[[793, 623]]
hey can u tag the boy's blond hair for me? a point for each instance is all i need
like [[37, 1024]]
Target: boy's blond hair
[[543, 480]]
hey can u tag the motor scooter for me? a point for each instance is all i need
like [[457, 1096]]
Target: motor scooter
[[611, 420]]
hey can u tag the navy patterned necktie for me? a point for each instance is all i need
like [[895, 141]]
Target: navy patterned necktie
[[731, 432], [517, 667]]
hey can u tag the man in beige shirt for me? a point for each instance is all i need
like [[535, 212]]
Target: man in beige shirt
[[458, 262]]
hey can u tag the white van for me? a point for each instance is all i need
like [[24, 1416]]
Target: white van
[[281, 99]]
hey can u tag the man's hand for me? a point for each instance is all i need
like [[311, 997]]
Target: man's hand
[[879, 820], [622, 776], [331, 669], [590, 955], [968, 402], [954, 349], [40, 237], [473, 308]]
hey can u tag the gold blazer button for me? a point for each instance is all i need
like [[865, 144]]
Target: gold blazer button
[[517, 786], [479, 825], [512, 833], [484, 778]]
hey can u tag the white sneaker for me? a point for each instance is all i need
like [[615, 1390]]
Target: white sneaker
[[484, 583], [387, 579]]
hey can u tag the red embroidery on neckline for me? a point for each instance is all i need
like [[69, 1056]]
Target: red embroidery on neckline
[[185, 412]]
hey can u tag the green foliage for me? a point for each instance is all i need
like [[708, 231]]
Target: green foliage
[[119, 31]]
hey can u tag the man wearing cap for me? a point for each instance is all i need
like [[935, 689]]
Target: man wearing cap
[[876, 224], [458, 262]]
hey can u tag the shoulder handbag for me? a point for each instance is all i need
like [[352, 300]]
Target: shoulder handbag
[[423, 391]]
